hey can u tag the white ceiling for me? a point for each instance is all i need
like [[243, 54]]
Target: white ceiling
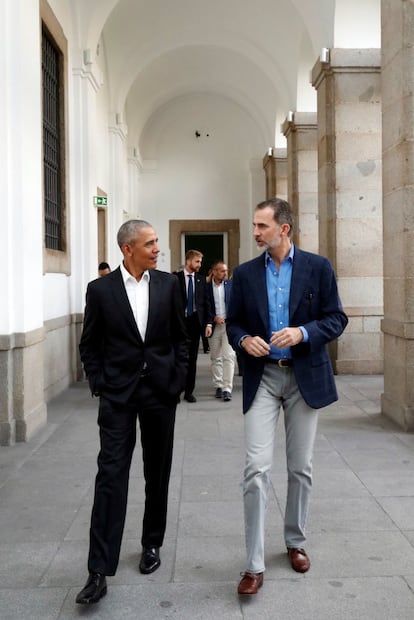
[[257, 53]]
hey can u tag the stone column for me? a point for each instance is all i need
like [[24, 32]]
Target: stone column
[[269, 166], [398, 210], [275, 168], [302, 164], [281, 172], [350, 197], [22, 405]]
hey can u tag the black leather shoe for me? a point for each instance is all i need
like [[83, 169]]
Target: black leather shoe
[[226, 396], [219, 393], [190, 398], [150, 560], [95, 588]]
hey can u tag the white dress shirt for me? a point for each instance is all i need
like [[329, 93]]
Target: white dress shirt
[[138, 295], [218, 293]]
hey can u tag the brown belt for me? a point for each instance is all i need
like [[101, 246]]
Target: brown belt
[[282, 363]]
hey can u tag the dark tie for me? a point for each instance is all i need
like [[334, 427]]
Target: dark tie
[[190, 296]]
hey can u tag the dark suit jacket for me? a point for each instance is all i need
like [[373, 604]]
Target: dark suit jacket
[[314, 303], [202, 302], [111, 348], [227, 290]]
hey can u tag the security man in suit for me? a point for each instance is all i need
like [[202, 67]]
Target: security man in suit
[[198, 313], [134, 350], [284, 309]]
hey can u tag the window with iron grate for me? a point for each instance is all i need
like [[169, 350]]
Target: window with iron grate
[[52, 141]]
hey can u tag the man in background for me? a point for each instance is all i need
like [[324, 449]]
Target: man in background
[[103, 269], [198, 313], [222, 354]]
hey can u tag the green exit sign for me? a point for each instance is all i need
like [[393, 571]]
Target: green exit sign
[[100, 201]]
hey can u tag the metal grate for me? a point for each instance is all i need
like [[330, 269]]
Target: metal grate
[[51, 143]]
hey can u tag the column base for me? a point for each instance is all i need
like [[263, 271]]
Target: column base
[[399, 413]]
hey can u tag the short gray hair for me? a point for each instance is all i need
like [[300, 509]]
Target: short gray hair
[[129, 229]]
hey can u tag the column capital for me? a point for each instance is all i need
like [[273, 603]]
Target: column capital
[[346, 61], [301, 120]]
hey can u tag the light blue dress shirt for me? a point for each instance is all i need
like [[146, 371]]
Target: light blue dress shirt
[[278, 293]]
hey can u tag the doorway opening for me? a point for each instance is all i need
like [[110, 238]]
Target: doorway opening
[[213, 246], [227, 233]]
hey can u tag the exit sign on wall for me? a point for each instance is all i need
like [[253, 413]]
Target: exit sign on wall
[[100, 201]]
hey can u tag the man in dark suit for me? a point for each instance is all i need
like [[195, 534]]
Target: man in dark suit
[[135, 352], [198, 313], [284, 309], [221, 352]]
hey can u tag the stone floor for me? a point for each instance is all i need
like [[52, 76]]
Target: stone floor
[[360, 528]]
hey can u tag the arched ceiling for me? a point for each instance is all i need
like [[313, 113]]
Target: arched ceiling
[[247, 51], [258, 54]]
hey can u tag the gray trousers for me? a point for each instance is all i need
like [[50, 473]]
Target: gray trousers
[[278, 388]]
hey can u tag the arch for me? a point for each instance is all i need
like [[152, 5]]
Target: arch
[[201, 76]]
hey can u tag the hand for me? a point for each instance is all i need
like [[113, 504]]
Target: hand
[[255, 346], [287, 337], [208, 331], [219, 320]]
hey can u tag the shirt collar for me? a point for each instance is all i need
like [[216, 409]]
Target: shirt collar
[[127, 276], [290, 256]]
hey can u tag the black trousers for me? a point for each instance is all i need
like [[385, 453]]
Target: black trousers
[[194, 333], [117, 429]]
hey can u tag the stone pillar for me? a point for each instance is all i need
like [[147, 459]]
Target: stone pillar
[[350, 197], [398, 210], [281, 172], [302, 164], [269, 166], [22, 406]]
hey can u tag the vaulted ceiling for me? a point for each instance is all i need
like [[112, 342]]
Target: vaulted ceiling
[[256, 54]]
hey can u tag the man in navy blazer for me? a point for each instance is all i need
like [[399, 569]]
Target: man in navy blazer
[[222, 354], [284, 309], [135, 353], [198, 313]]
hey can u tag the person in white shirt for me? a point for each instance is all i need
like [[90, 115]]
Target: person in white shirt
[[222, 354]]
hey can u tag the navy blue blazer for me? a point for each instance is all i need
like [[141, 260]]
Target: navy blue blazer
[[227, 290], [314, 303]]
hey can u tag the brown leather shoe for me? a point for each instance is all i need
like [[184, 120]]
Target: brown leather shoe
[[299, 560], [250, 583]]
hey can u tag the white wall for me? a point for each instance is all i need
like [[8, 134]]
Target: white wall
[[20, 168], [357, 24], [208, 177]]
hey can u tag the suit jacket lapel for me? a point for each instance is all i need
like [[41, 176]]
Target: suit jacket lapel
[[121, 297], [154, 300], [301, 275], [258, 279]]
